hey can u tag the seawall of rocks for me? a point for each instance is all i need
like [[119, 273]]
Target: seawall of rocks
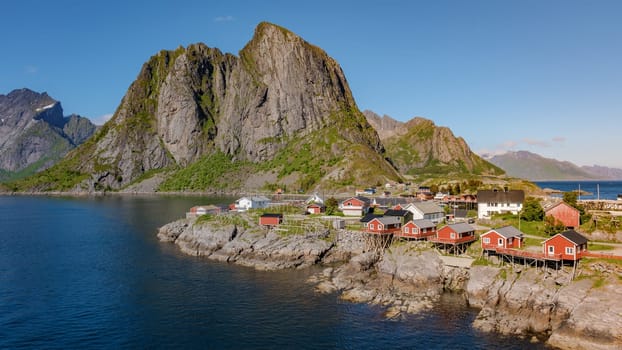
[[409, 277]]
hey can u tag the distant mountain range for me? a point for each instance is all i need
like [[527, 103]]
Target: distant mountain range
[[531, 166], [34, 134]]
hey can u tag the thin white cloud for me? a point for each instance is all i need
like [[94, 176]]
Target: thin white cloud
[[102, 119], [31, 69], [224, 19], [559, 139], [538, 143]]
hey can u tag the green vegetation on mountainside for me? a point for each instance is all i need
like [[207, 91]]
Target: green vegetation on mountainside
[[426, 150]]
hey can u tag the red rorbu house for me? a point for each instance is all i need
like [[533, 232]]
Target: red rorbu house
[[568, 245], [564, 213], [455, 234], [384, 225], [504, 237], [271, 219], [417, 229]]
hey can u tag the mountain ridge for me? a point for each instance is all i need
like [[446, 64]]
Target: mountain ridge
[[34, 134], [534, 167], [421, 148]]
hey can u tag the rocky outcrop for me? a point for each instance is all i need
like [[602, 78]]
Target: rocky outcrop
[[253, 246], [34, 134], [572, 315], [410, 278]]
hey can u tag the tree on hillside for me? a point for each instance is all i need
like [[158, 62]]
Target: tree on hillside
[[331, 205], [553, 226], [532, 210], [571, 198]]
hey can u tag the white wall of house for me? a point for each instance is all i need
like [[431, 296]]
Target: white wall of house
[[486, 210]]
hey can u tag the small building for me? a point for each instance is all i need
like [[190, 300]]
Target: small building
[[426, 210], [271, 219], [355, 206], [565, 213], [568, 245], [491, 202], [503, 237], [417, 229], [403, 215], [456, 233], [203, 210], [315, 208], [255, 202], [384, 225]]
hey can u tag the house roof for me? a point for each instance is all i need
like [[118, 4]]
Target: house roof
[[390, 201], [399, 213], [369, 217], [575, 237], [461, 227], [423, 223], [495, 196], [360, 198], [561, 203], [271, 215], [318, 205], [507, 231], [254, 199], [388, 220], [427, 207]]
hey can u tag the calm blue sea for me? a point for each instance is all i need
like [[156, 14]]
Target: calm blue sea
[[606, 189], [90, 273]]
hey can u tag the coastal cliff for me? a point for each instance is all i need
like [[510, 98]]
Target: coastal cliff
[[409, 277]]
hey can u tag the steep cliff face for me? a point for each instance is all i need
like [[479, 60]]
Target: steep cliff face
[[424, 148], [34, 134], [283, 108]]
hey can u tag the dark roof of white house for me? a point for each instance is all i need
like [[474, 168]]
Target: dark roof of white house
[[393, 212], [496, 196]]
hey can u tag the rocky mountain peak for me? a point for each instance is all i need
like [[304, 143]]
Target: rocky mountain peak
[[34, 134]]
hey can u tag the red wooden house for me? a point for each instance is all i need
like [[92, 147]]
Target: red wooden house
[[315, 208], [564, 213], [417, 229], [271, 219], [355, 206], [504, 237], [384, 225], [569, 245], [455, 234]]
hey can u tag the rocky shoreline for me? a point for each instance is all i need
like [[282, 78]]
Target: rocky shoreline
[[409, 277]]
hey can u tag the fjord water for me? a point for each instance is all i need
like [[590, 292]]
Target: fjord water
[[605, 189], [90, 273]]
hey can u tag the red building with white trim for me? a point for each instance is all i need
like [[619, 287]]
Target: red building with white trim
[[417, 229], [455, 233], [384, 225], [568, 245], [503, 237]]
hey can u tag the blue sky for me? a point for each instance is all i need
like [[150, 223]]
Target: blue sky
[[541, 75]]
